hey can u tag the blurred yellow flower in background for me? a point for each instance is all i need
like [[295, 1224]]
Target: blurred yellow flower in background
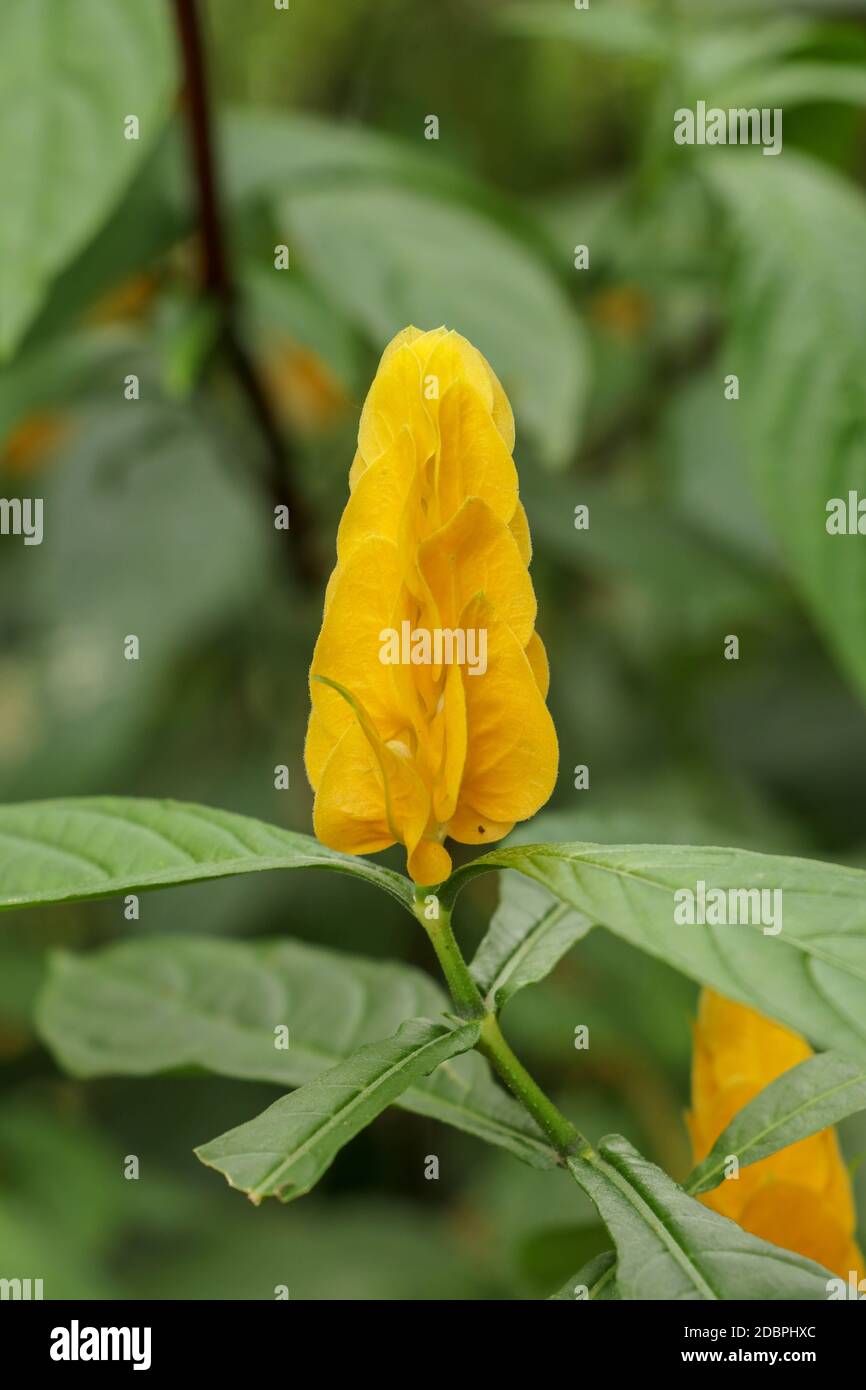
[[31, 442], [433, 540], [799, 1198], [306, 394]]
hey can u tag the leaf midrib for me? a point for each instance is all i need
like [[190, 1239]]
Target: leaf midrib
[[554, 913], [339, 1116], [649, 1216]]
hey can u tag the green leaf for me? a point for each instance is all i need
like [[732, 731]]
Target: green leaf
[[412, 258], [616, 31], [795, 84], [95, 847], [528, 935], [423, 250], [284, 1151], [266, 152], [811, 976], [179, 574], [720, 53], [814, 1094], [691, 582], [71, 71], [670, 1247], [598, 1277], [138, 1008], [799, 344]]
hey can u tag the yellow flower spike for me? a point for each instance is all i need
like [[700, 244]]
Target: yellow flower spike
[[799, 1198], [428, 680]]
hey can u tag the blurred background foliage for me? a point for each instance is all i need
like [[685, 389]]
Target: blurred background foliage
[[706, 518]]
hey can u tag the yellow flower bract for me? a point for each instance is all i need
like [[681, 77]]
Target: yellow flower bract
[[433, 535], [799, 1198]]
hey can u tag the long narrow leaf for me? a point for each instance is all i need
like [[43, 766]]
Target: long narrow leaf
[[95, 847], [816, 1093], [528, 935], [670, 1247], [274, 1011], [284, 1151]]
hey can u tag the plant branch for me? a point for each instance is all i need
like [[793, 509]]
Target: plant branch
[[464, 991], [218, 284], [564, 1137]]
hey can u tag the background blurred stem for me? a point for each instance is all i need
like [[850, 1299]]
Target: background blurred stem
[[218, 283]]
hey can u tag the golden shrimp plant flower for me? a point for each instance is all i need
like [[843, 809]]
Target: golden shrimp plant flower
[[799, 1198], [428, 680]]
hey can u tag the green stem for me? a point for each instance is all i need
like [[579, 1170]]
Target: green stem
[[464, 990], [564, 1137]]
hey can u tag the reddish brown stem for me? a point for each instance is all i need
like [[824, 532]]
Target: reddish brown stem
[[219, 284]]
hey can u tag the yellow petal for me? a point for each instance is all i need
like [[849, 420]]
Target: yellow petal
[[405, 338], [473, 460], [365, 600], [428, 863], [519, 526], [789, 1215], [476, 553], [358, 467], [512, 754], [448, 359], [369, 796], [452, 757], [349, 811], [378, 501], [503, 417], [471, 827], [395, 402], [537, 658]]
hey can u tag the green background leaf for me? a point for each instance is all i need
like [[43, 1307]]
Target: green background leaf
[[391, 257], [64, 160], [800, 283], [170, 1004]]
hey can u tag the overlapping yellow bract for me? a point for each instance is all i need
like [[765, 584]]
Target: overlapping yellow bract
[[433, 534], [799, 1198]]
